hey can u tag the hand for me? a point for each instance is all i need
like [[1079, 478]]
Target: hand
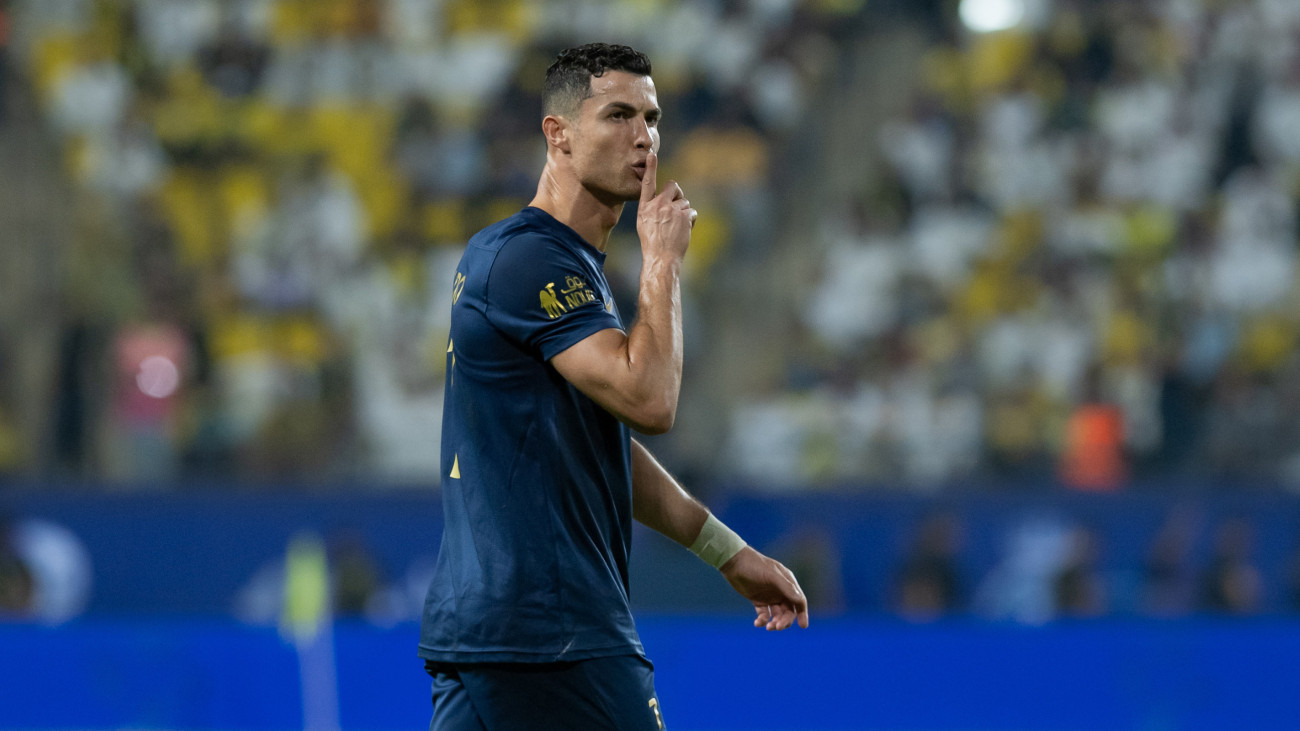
[[770, 586], [663, 221]]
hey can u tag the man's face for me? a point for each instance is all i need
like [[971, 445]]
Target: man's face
[[616, 127]]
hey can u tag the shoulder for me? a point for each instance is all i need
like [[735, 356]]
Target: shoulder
[[523, 246], [527, 224]]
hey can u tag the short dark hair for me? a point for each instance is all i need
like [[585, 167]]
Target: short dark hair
[[568, 80]]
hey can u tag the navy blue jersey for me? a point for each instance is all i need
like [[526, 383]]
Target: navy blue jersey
[[537, 480]]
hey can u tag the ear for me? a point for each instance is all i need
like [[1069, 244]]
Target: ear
[[556, 129]]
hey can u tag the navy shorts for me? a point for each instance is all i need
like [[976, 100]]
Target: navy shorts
[[615, 693]]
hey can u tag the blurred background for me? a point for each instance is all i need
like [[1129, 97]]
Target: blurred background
[[993, 335]]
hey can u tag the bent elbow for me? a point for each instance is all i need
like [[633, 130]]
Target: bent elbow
[[657, 426], [655, 419]]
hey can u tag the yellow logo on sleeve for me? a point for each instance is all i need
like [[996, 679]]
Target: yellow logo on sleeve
[[575, 294], [550, 302], [457, 286]]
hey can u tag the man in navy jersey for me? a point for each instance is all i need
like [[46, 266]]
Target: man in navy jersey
[[526, 623]]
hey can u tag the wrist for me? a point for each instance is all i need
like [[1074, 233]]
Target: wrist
[[660, 264], [717, 544]]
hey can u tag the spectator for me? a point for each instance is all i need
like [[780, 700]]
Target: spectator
[[1078, 587], [439, 158], [45, 571], [1093, 455], [1021, 586], [17, 587], [153, 359], [357, 577], [1231, 583], [812, 553], [92, 99], [1168, 578], [233, 62], [929, 584]]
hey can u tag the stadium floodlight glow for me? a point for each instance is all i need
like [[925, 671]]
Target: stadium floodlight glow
[[989, 16]]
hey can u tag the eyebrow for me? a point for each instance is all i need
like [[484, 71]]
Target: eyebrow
[[625, 107]]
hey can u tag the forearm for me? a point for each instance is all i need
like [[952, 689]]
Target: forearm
[[636, 376], [660, 502], [655, 341]]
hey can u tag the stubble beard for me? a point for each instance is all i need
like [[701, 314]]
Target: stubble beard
[[613, 195]]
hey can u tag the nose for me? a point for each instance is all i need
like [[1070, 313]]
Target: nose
[[644, 135]]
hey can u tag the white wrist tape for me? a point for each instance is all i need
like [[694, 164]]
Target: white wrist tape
[[717, 543]]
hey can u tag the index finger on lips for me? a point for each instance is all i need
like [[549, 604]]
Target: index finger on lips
[[648, 178]]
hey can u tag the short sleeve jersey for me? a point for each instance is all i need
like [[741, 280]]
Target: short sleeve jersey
[[536, 477]]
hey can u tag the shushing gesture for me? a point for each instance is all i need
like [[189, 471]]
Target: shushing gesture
[[664, 220]]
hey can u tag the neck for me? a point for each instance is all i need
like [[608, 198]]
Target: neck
[[560, 194]]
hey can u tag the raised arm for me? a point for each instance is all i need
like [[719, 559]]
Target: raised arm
[[660, 502], [637, 377]]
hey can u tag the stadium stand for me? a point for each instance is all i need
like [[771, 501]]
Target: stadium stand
[[1062, 252], [1078, 263], [285, 184]]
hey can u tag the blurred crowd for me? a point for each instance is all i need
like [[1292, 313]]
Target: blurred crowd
[[1027, 565], [1051, 568], [1075, 260], [1078, 263], [273, 195]]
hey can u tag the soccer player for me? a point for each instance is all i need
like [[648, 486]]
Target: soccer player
[[526, 623]]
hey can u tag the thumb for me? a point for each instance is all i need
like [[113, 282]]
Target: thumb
[[648, 183]]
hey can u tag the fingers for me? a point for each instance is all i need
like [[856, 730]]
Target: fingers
[[792, 607], [681, 203], [776, 617], [798, 602], [782, 618], [649, 179]]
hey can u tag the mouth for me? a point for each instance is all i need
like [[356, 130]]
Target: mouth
[[639, 169]]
